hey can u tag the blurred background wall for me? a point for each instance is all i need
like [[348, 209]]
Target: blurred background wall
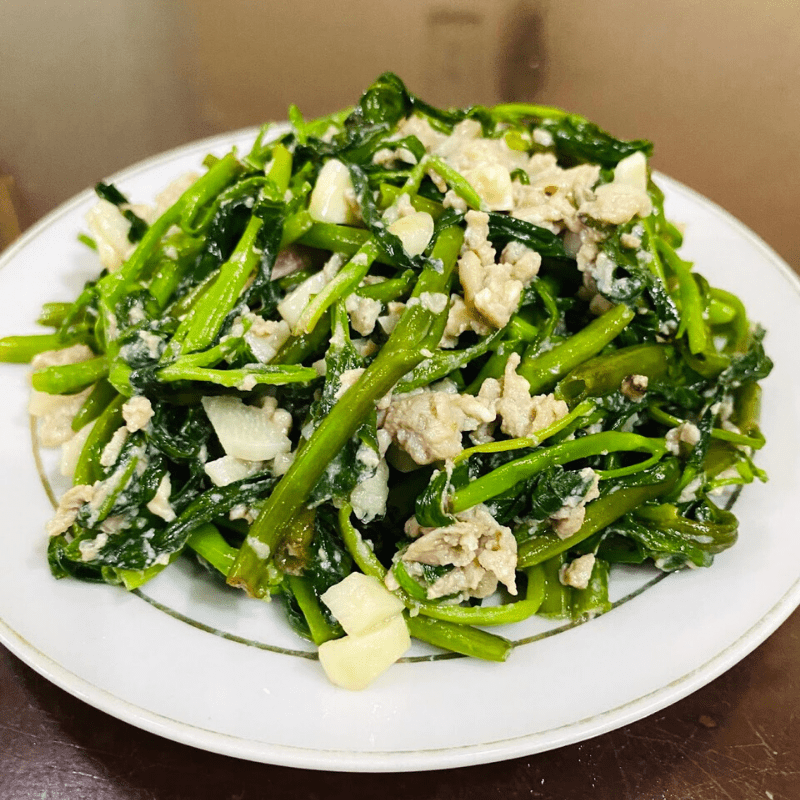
[[88, 87]]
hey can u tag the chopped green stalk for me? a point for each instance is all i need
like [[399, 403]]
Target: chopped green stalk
[[261, 374], [738, 438], [206, 541], [295, 227], [279, 170], [428, 206], [362, 553], [459, 638], [88, 470], [98, 400], [87, 240], [747, 409], [410, 587], [119, 376], [518, 328], [53, 314], [389, 290], [482, 615], [396, 358], [547, 296], [209, 544], [108, 503], [70, 377], [544, 370], [504, 445], [756, 441], [318, 626], [717, 533], [21, 349], [709, 363], [77, 312], [348, 277], [692, 322], [496, 363], [298, 348], [557, 598], [720, 458], [390, 193], [169, 273], [599, 514], [534, 594], [456, 181], [202, 325], [191, 203], [603, 375], [513, 112], [183, 305], [443, 362], [436, 279], [185, 210], [593, 600], [288, 283], [337, 238], [720, 312], [412, 184], [135, 578], [261, 151], [509, 475], [655, 264], [736, 316], [225, 349]]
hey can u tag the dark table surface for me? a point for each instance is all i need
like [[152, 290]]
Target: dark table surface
[[87, 89]]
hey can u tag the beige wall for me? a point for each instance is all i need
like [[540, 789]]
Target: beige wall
[[87, 87]]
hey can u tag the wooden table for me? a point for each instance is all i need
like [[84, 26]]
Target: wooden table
[[87, 89]]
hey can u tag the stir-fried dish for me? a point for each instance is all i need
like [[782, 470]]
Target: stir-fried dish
[[416, 372]]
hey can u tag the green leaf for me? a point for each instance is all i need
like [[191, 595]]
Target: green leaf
[[554, 487], [432, 502], [577, 141], [672, 541], [503, 229]]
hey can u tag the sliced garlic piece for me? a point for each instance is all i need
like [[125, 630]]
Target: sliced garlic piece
[[360, 602], [493, 183], [355, 661], [415, 231], [248, 432], [333, 198], [632, 171]]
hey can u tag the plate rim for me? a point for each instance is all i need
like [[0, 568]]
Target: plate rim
[[403, 760], [393, 760]]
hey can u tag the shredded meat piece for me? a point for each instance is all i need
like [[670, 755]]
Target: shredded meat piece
[[428, 425], [481, 551], [68, 507], [137, 412], [554, 195], [493, 289], [578, 573], [522, 414], [570, 517], [617, 203], [461, 318], [634, 387]]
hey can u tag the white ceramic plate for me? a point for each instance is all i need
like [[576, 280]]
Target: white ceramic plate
[[202, 665]]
